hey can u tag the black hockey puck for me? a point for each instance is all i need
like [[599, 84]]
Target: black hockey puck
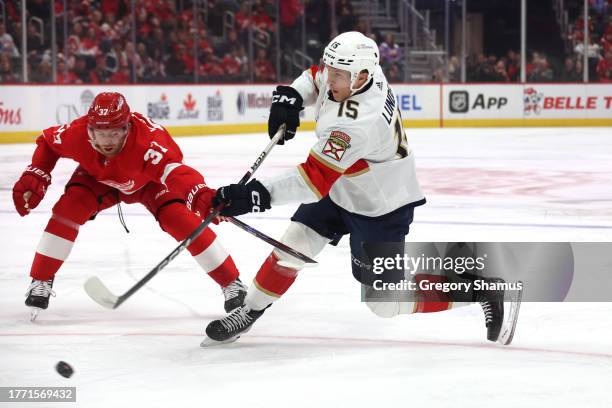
[[64, 369]]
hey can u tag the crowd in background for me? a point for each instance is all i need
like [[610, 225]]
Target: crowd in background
[[170, 44], [101, 47], [544, 68]]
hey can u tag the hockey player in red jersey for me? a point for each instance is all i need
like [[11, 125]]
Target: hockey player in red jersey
[[123, 157]]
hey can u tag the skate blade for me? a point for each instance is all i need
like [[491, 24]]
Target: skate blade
[[208, 342], [509, 325], [34, 311]]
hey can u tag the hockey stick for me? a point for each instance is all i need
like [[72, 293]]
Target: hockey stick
[[271, 241], [102, 295]]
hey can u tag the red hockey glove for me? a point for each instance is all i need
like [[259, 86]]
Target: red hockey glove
[[199, 200], [30, 189]]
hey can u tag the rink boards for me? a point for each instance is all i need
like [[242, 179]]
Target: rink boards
[[188, 110]]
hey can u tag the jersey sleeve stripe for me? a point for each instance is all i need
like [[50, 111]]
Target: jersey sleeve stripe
[[360, 167], [324, 162], [357, 173], [167, 170], [313, 72], [309, 182]]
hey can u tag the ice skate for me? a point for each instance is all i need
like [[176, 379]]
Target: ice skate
[[231, 327], [501, 309], [234, 294], [37, 296]]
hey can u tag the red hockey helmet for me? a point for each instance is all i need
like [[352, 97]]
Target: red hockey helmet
[[109, 110]]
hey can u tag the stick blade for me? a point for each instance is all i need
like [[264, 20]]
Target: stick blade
[[100, 293]]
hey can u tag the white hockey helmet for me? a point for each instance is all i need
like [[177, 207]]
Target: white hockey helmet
[[352, 52]]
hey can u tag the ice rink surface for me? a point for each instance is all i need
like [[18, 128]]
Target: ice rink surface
[[319, 345]]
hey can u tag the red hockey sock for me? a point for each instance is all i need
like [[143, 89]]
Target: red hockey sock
[[54, 247], [179, 222], [274, 279], [432, 300]]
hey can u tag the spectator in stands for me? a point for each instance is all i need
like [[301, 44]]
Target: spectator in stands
[[80, 70], [35, 42], [482, 70], [96, 19], [122, 76], [290, 12], [264, 71], [604, 68], [176, 65], [362, 27], [394, 74], [89, 43], [513, 66], [134, 61], [606, 41], [230, 44], [7, 45], [6, 70], [210, 66], [578, 34], [594, 55], [243, 60], [203, 43], [390, 52], [347, 21], [570, 71], [157, 44], [438, 76], [261, 19], [541, 72], [119, 54], [454, 70], [101, 74], [232, 66], [64, 76], [147, 65], [243, 17], [42, 73], [499, 72], [74, 39], [317, 19]]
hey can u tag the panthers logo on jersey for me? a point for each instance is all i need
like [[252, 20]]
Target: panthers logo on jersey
[[337, 145]]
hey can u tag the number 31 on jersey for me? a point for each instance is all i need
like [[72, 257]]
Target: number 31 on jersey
[[155, 155]]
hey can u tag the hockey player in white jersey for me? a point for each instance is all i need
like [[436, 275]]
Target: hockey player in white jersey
[[359, 177]]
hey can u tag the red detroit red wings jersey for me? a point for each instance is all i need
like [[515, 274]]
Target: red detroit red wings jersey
[[149, 153]]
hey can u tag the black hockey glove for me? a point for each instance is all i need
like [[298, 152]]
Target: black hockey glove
[[286, 107], [243, 198]]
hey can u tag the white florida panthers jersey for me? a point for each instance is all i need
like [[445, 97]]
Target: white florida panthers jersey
[[361, 159]]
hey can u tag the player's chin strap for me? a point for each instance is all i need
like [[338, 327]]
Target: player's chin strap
[[355, 90]]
